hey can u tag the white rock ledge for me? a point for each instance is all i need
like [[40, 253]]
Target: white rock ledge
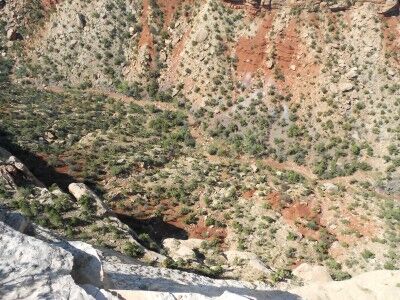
[[31, 268]]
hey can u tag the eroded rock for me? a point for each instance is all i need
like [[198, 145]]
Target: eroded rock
[[182, 249], [79, 190], [309, 273]]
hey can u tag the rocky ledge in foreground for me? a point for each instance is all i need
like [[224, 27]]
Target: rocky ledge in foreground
[[41, 266]]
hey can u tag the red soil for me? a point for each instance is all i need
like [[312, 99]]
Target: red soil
[[365, 227], [392, 38], [250, 51], [302, 211], [172, 216], [63, 169], [48, 4], [169, 7], [296, 212], [287, 46], [299, 211], [274, 199], [200, 230], [248, 194], [146, 38], [290, 51], [175, 61]]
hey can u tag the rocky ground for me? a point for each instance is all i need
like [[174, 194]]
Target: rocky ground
[[236, 139], [41, 266], [37, 264]]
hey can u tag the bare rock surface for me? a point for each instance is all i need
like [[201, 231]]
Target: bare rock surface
[[146, 295], [372, 285], [32, 269], [123, 276], [309, 273]]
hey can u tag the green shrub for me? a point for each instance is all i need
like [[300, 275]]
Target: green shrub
[[366, 254], [339, 275], [280, 275], [133, 250]]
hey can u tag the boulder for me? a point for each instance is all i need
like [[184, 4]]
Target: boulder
[[13, 171], [346, 87], [87, 264], [16, 221], [33, 269], [81, 20], [309, 273], [78, 190], [201, 35], [182, 249], [339, 6], [352, 73], [13, 34], [330, 187], [270, 64], [390, 8]]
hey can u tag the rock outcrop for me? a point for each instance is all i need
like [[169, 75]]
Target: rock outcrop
[[78, 190], [309, 273], [32, 269], [182, 249], [368, 286], [35, 269], [390, 7], [14, 172], [386, 7], [15, 175]]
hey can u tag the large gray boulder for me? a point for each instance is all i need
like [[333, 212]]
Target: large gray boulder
[[33, 269]]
